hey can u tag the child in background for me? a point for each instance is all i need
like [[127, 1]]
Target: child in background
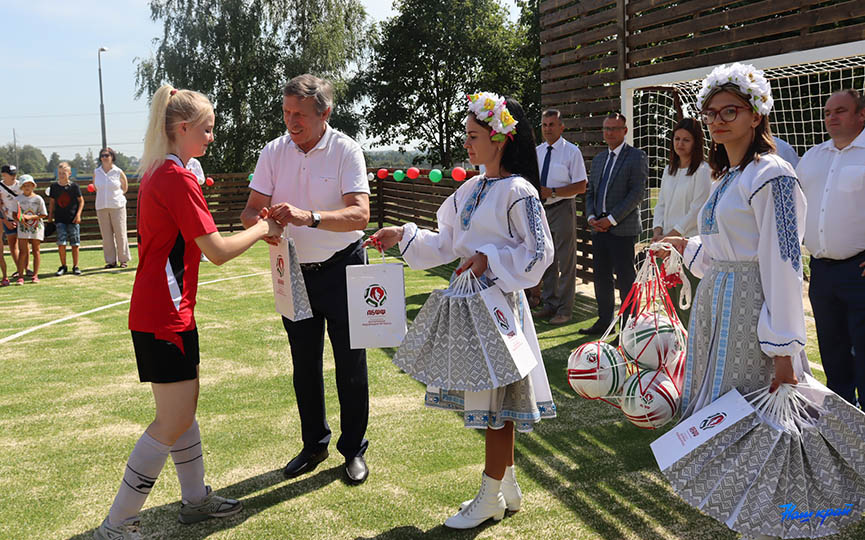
[[64, 209], [9, 189], [31, 229]]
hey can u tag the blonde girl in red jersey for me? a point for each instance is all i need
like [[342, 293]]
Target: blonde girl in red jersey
[[174, 227]]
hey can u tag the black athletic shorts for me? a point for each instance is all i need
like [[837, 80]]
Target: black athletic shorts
[[171, 357]]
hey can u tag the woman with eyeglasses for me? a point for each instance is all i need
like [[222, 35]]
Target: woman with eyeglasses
[[747, 325], [111, 185]]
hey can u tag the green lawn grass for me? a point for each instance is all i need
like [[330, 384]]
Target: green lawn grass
[[71, 409]]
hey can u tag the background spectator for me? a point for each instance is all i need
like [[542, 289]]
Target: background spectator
[[65, 204], [111, 184]]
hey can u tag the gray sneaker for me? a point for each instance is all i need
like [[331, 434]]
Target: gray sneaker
[[210, 507], [127, 531]]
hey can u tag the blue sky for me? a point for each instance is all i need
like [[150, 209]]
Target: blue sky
[[50, 89]]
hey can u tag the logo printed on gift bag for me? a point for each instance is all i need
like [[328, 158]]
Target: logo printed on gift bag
[[713, 420], [501, 319], [280, 266], [375, 295]]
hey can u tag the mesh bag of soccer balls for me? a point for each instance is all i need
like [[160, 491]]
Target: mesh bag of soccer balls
[[642, 375]]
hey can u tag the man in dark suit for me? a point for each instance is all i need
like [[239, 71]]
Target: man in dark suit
[[616, 187]]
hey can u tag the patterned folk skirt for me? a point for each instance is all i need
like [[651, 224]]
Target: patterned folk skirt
[[756, 477], [723, 347], [524, 402]]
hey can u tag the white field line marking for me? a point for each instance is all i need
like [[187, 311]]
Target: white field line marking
[[115, 304]]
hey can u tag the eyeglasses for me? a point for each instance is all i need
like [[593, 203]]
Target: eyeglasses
[[727, 114], [104, 155]]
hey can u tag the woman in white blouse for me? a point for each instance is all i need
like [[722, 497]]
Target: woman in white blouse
[[495, 225], [747, 324], [685, 187], [111, 185]]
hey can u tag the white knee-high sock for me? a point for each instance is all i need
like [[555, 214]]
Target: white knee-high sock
[[144, 465], [188, 460]]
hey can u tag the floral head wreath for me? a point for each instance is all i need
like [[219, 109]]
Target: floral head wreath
[[750, 80], [491, 108]]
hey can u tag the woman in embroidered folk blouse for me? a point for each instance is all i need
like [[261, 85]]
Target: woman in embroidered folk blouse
[[747, 325], [495, 225]]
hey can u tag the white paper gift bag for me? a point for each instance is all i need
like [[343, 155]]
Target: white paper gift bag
[[289, 289], [376, 305], [700, 427], [501, 319]]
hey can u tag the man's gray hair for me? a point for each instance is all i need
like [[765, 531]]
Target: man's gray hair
[[552, 112], [310, 86], [858, 98]]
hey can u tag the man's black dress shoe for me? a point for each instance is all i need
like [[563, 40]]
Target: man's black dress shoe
[[356, 470], [595, 329], [304, 462]]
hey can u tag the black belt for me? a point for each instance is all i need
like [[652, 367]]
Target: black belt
[[335, 258], [838, 261], [556, 203]]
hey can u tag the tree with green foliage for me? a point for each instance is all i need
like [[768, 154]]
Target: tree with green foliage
[[81, 165], [28, 158], [53, 161], [241, 53], [428, 57]]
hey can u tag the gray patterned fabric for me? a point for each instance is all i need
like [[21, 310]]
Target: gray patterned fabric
[[417, 344], [753, 477], [302, 307], [453, 343], [722, 337]]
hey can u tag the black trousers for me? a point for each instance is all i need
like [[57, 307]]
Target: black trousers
[[611, 253], [837, 294], [327, 295]]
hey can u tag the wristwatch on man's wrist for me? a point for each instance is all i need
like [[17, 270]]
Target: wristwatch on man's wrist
[[316, 219]]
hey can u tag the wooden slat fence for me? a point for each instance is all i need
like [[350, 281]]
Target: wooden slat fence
[[588, 47]]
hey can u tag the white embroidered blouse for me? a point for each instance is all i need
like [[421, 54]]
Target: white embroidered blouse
[[758, 214], [499, 217]]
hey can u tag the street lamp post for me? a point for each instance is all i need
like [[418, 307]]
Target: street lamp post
[[101, 103]]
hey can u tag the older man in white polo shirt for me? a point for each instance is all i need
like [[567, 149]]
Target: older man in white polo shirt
[[832, 175], [563, 177], [313, 181]]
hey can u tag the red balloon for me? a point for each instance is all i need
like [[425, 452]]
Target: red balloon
[[382, 173], [208, 181], [412, 172], [91, 188], [458, 174]]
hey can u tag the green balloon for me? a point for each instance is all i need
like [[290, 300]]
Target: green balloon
[[398, 175], [435, 176], [249, 178]]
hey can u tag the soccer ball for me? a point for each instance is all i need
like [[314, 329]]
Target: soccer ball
[[648, 339], [654, 405], [675, 366], [596, 369]]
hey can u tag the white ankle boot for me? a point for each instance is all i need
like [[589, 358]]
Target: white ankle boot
[[510, 490], [489, 503]]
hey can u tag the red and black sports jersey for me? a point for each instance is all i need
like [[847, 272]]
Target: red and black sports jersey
[[172, 213]]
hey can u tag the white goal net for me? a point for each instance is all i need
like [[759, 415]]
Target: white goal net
[[799, 88]]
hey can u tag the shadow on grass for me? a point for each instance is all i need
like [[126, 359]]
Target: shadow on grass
[[596, 467], [165, 517], [410, 532]]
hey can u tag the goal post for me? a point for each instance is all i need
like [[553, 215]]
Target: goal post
[[801, 82]]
